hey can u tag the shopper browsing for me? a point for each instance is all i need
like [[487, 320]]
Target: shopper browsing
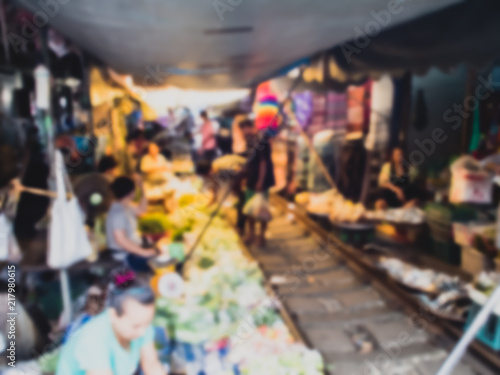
[[260, 173], [119, 339], [208, 140], [121, 226]]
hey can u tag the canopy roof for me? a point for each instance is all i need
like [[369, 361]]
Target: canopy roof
[[219, 43]]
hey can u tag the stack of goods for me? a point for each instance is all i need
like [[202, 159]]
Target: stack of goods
[[333, 205], [228, 163], [427, 280], [224, 296], [183, 165], [444, 295], [398, 215]]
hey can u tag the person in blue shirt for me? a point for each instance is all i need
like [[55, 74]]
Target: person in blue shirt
[[118, 340]]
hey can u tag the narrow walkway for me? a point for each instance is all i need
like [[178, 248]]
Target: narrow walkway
[[357, 326]]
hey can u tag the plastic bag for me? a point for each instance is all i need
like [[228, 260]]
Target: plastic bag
[[68, 240], [470, 183], [258, 208], [9, 249]]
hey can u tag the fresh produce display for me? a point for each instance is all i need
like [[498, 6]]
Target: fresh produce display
[[398, 215], [332, 204], [228, 162], [154, 223], [424, 280], [453, 304], [224, 296]]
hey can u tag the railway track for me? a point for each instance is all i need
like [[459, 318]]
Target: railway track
[[362, 322]]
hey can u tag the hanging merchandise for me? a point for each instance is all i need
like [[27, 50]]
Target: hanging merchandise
[[303, 108], [319, 114], [267, 112], [267, 108], [420, 118], [380, 117], [355, 108], [336, 111], [68, 241], [42, 86]]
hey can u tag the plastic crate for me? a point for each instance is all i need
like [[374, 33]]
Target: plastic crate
[[489, 334]]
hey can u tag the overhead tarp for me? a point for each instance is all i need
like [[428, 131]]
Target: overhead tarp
[[216, 43], [468, 32]]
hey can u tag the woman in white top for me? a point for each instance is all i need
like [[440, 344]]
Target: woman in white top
[[157, 171]]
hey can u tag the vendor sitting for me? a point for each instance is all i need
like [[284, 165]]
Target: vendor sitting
[[121, 226], [154, 166], [117, 340], [396, 183], [157, 171]]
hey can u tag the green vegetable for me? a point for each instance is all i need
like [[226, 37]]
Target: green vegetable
[[205, 263], [154, 223]]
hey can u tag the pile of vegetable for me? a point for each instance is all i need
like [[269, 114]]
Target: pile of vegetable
[[223, 295]]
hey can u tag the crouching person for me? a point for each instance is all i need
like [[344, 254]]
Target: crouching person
[[120, 339]]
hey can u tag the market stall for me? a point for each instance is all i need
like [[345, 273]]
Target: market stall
[[214, 317]]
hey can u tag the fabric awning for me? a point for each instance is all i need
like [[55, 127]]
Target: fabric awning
[[216, 43]]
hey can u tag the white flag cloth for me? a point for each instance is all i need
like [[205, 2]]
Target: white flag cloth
[[68, 240]]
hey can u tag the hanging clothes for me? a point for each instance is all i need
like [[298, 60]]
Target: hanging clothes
[[336, 111], [355, 108], [319, 114], [380, 117], [303, 108]]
